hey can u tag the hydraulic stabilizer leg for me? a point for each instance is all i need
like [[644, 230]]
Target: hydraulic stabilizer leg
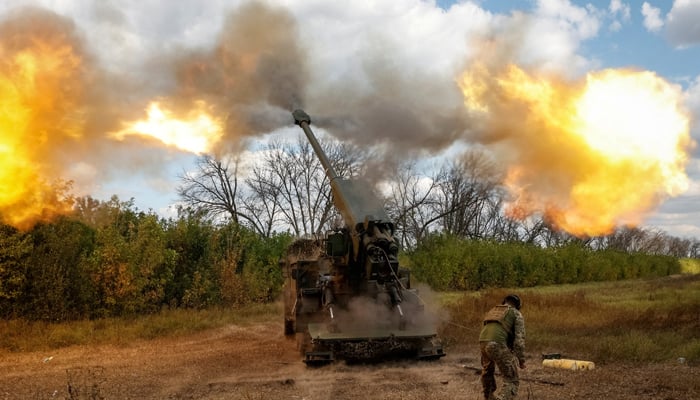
[[333, 324], [396, 299], [328, 300], [402, 318]]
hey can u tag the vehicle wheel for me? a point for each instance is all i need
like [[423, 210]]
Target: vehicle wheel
[[303, 342], [289, 327]]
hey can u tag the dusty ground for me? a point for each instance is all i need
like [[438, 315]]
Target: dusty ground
[[258, 362]]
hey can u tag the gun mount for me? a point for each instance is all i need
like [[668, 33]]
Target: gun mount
[[346, 295]]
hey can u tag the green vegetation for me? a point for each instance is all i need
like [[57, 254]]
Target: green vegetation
[[450, 263], [112, 274], [111, 260], [642, 320], [648, 320], [690, 265]]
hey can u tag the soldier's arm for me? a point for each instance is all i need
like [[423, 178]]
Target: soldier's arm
[[519, 340]]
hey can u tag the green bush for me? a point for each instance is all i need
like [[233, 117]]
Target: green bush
[[111, 260], [449, 263]]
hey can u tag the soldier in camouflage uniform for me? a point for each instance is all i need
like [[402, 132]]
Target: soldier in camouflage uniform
[[502, 342]]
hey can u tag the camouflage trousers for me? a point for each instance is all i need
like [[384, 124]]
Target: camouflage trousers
[[497, 354]]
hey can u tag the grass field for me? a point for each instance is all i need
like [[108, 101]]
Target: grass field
[[639, 321], [632, 321], [20, 335]]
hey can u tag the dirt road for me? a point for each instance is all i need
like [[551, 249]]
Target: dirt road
[[258, 362]]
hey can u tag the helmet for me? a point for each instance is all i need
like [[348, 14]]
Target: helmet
[[514, 300]]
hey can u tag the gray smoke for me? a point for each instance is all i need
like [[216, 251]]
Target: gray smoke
[[255, 73], [252, 76]]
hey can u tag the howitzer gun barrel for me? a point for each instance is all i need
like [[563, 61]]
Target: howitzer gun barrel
[[353, 199], [303, 120]]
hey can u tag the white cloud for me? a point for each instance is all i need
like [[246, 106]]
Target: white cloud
[[554, 35], [582, 22], [619, 12], [683, 23], [615, 26], [652, 17], [618, 7], [410, 33]]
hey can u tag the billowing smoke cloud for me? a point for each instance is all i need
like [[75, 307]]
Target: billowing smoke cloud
[[63, 102], [587, 154], [255, 74], [61, 108], [407, 112], [53, 111], [257, 70], [389, 103], [411, 108]]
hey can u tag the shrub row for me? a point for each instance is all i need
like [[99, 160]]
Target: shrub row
[[125, 262], [450, 263]]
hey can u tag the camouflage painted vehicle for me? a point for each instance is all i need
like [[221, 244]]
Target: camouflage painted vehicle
[[345, 295]]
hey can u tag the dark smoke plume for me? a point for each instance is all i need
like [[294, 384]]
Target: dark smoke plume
[[255, 74], [410, 111], [252, 77]]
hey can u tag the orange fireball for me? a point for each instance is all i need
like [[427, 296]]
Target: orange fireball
[[39, 107], [196, 131], [588, 155]]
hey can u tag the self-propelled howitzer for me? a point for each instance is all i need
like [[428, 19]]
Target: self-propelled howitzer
[[346, 295]]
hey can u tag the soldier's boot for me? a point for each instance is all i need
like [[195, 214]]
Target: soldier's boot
[[489, 384], [491, 394], [509, 391]]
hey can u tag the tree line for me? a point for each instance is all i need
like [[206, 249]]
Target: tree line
[[287, 190], [110, 259], [447, 262], [222, 249]]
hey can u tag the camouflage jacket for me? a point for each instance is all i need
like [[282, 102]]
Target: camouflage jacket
[[505, 324]]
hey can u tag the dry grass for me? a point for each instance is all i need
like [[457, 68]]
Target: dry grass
[[640, 320], [22, 335]]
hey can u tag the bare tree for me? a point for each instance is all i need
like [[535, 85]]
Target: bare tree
[[302, 190], [648, 241], [410, 204], [469, 200], [627, 239], [290, 187], [463, 198], [694, 250], [286, 188], [213, 188], [262, 203], [506, 228], [678, 247]]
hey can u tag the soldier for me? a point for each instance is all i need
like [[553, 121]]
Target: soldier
[[502, 342]]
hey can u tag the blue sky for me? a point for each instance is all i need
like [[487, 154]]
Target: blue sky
[[426, 38], [629, 44]]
